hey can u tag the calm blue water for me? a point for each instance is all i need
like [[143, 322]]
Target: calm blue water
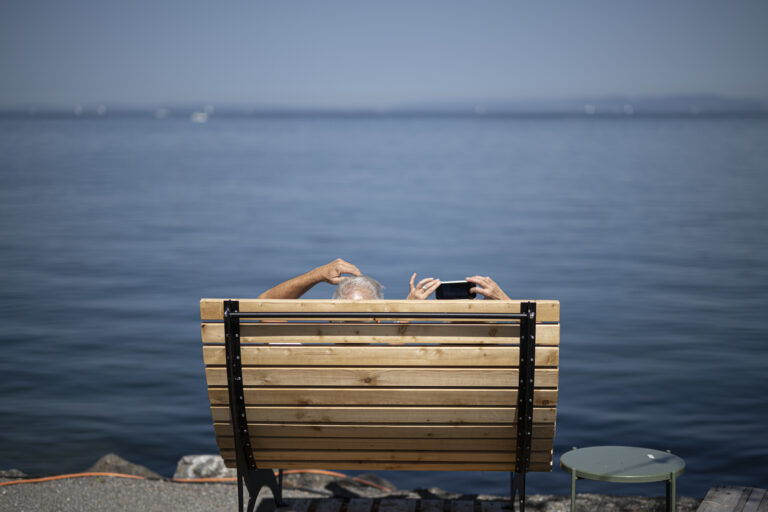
[[653, 234]]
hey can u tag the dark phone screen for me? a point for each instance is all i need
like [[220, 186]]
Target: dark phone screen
[[456, 290]]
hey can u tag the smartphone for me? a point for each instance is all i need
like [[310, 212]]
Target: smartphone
[[454, 290]]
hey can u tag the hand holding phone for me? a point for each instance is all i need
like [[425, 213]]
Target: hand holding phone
[[488, 288], [449, 290]]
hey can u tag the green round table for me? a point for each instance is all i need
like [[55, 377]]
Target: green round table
[[625, 464]]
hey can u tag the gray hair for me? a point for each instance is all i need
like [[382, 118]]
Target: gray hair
[[370, 288]]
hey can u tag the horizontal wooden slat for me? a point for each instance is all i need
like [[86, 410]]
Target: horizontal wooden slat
[[546, 310], [541, 430], [443, 333], [379, 396], [319, 443], [451, 415], [395, 466], [372, 377], [387, 456], [353, 355]]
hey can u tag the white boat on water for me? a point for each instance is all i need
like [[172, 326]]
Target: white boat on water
[[198, 117]]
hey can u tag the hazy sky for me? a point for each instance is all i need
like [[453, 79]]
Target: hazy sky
[[365, 53]]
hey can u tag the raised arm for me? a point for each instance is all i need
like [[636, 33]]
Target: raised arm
[[299, 285]]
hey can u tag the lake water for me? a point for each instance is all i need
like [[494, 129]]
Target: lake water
[[652, 232]]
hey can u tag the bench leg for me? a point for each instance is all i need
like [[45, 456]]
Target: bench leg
[[239, 490], [254, 481], [517, 486]]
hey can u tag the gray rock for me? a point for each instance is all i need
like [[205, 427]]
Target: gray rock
[[309, 484], [12, 473], [203, 466], [436, 493], [367, 485], [378, 480], [112, 463]]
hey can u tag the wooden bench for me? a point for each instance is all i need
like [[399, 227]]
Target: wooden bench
[[734, 499], [381, 385]]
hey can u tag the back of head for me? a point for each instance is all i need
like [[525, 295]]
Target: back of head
[[359, 288]]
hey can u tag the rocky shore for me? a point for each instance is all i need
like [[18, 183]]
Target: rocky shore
[[304, 492]]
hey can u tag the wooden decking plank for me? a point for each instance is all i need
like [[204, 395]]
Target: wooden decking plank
[[724, 499], [462, 506], [756, 499], [397, 505], [329, 505], [360, 505], [494, 506], [427, 505], [295, 505]]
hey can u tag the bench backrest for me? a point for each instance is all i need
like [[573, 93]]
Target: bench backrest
[[374, 392]]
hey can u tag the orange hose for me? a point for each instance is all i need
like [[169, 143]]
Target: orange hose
[[71, 475], [334, 473], [290, 472], [371, 484], [201, 480], [192, 480], [314, 472]]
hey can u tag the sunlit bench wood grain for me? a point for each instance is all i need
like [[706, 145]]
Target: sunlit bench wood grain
[[382, 385]]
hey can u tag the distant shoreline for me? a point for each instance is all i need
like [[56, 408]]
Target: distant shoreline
[[185, 115], [682, 105]]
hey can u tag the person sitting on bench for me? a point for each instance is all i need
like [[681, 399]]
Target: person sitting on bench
[[353, 285], [356, 287]]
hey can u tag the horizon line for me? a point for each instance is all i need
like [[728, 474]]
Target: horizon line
[[665, 102], [202, 117]]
